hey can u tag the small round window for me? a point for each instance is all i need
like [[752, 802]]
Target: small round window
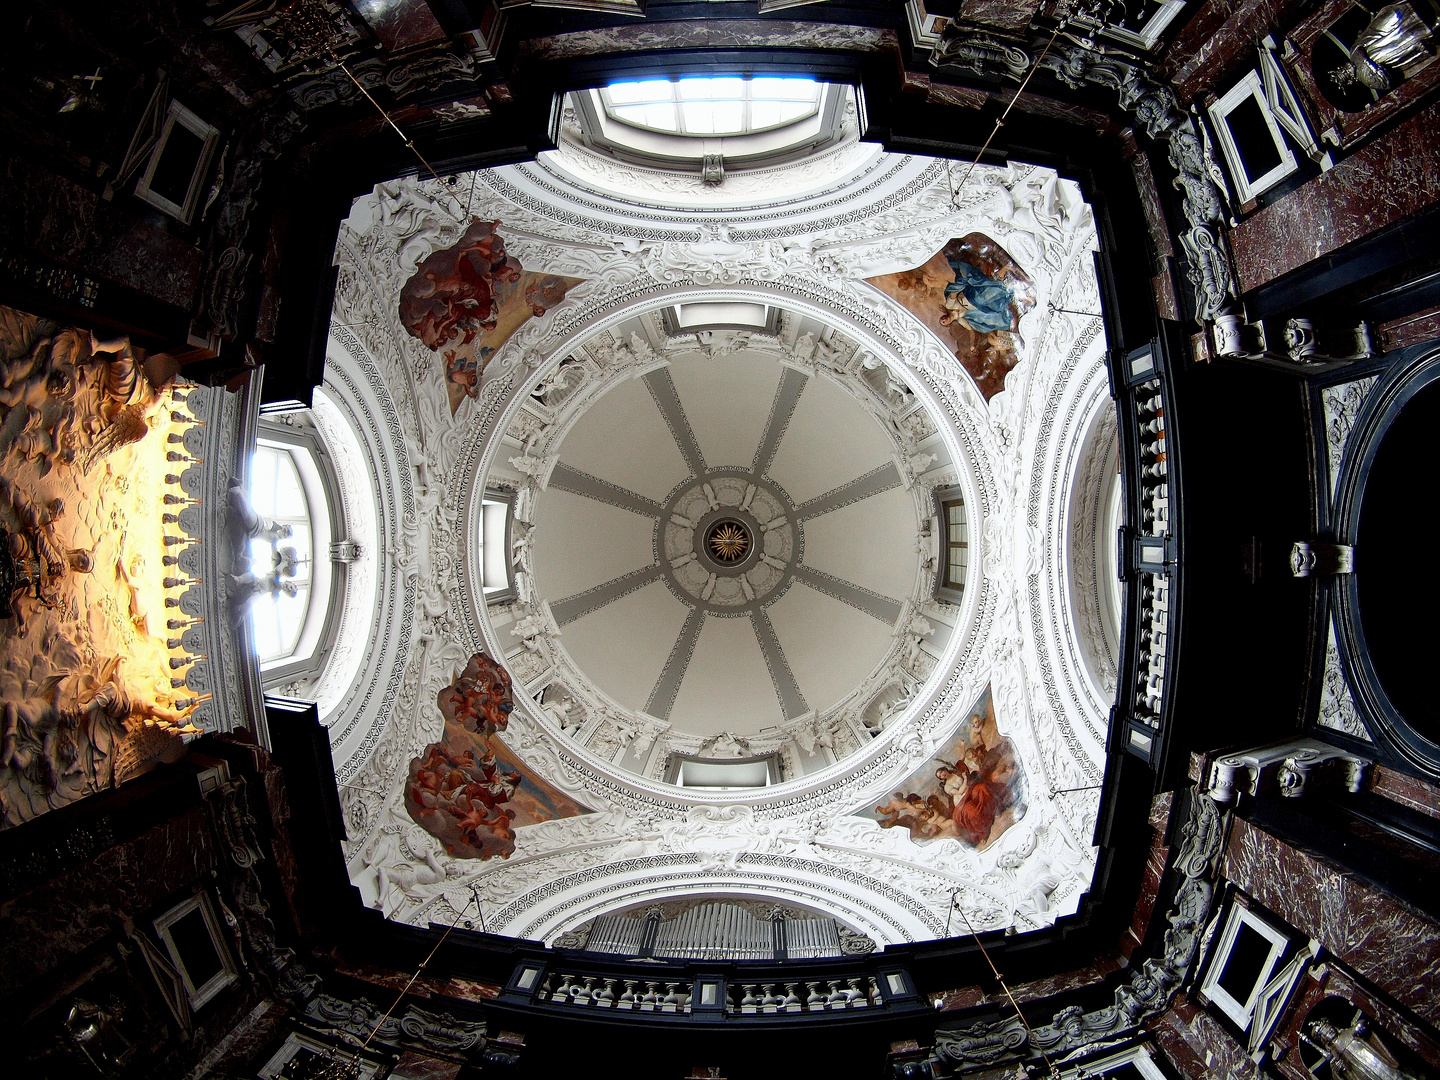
[[722, 106]]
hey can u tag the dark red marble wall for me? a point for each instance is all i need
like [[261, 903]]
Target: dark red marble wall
[[1198, 1047], [1218, 39], [63, 221], [43, 928], [1409, 791], [413, 1066], [1392, 178], [1386, 941], [1155, 860]]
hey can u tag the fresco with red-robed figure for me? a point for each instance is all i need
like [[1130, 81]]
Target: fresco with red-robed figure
[[469, 790], [971, 792], [465, 301]]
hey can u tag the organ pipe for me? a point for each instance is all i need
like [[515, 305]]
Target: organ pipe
[[716, 931]]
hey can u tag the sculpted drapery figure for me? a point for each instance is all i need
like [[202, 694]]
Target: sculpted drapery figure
[[1398, 41]]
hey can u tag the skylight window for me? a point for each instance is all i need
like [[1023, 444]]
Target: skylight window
[[721, 106]]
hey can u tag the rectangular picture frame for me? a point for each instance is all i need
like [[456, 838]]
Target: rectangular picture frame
[[178, 116], [1250, 88], [164, 925], [1211, 988]]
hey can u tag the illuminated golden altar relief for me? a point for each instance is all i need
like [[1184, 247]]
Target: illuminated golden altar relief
[[89, 553]]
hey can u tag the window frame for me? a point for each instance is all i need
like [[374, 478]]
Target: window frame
[[1149, 35], [1241, 1014], [1251, 86], [945, 589], [677, 101], [302, 436], [675, 771], [199, 996], [1141, 1055], [669, 150], [177, 115], [500, 594]]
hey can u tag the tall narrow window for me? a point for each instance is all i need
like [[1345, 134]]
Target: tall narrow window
[[956, 551]]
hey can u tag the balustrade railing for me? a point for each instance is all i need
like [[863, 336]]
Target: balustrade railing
[[617, 992], [1151, 544], [804, 995], [678, 996]]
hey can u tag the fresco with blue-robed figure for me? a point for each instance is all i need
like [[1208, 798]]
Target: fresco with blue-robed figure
[[972, 294]]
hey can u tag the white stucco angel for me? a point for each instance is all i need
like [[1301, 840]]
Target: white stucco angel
[[400, 863], [529, 629]]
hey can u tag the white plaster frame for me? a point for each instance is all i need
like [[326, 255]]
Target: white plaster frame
[[199, 995], [1241, 1012], [296, 1042], [1154, 26], [1250, 85], [1141, 1056], [208, 134], [1285, 104]]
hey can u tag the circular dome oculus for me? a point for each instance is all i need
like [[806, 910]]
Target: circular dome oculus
[[728, 542]]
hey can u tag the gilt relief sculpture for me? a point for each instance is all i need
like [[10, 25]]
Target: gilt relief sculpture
[[466, 300], [470, 791], [86, 690]]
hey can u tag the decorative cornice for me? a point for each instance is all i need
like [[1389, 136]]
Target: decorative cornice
[[1150, 986]]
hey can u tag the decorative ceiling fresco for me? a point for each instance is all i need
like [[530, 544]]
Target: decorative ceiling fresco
[[973, 792], [471, 804], [973, 294], [465, 301], [817, 416]]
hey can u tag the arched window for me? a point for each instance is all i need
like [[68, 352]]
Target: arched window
[[713, 124], [952, 553], [277, 493], [292, 483], [956, 556]]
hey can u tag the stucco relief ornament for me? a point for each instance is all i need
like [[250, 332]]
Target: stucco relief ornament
[[557, 761], [1149, 987], [718, 260]]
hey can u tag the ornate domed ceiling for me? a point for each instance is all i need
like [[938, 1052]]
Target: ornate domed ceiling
[[707, 448], [729, 548]]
